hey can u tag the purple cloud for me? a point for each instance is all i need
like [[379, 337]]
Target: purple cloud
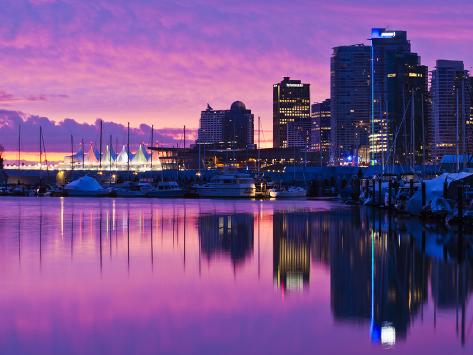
[[161, 61]]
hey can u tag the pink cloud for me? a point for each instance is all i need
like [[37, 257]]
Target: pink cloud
[[160, 62]]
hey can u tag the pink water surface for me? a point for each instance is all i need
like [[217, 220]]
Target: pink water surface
[[125, 276]]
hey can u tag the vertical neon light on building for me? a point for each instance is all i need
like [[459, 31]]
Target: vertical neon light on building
[[372, 102]]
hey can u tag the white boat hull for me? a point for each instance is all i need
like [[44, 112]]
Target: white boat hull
[[292, 192], [240, 192]]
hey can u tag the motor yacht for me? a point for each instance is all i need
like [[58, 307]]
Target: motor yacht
[[227, 185], [166, 189]]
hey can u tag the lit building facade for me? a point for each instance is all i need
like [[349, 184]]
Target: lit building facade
[[321, 130], [291, 101], [211, 126], [299, 133], [399, 100], [452, 127], [233, 128], [350, 91]]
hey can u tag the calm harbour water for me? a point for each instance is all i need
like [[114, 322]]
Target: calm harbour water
[[123, 276]]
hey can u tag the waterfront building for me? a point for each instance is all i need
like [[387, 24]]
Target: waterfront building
[[211, 126], [238, 129], [299, 133], [233, 128], [321, 130], [291, 102], [451, 125], [350, 92], [399, 100]]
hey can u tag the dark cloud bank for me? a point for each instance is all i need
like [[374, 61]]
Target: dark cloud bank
[[57, 134]]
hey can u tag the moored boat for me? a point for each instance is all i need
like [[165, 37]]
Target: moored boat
[[132, 189], [227, 185], [86, 186], [166, 189], [288, 192]]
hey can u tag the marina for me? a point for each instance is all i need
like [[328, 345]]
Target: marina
[[112, 274]]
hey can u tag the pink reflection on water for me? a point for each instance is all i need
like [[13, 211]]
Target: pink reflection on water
[[183, 276]]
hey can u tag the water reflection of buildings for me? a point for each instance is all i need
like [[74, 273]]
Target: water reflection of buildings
[[452, 285], [227, 234], [379, 271], [291, 252]]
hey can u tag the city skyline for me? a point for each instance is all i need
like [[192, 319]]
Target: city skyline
[[61, 59]]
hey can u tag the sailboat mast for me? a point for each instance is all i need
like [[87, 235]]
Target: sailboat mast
[[44, 150], [259, 143], [40, 147], [110, 158], [128, 148], [463, 121], [184, 136], [152, 140], [423, 130], [412, 130], [100, 153], [83, 155], [19, 145], [72, 152], [458, 132]]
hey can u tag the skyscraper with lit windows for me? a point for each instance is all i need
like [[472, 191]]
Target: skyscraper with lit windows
[[399, 100], [321, 139], [291, 102], [452, 125], [350, 91]]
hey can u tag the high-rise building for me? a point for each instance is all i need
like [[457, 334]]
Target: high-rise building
[[232, 128], [238, 131], [211, 126], [399, 100], [291, 101], [321, 130], [299, 133], [451, 106], [350, 91]]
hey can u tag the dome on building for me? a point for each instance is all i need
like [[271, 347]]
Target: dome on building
[[238, 106]]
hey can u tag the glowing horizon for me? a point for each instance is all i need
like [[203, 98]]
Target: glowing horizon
[[161, 62]]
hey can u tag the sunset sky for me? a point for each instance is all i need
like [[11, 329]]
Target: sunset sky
[[160, 62]]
